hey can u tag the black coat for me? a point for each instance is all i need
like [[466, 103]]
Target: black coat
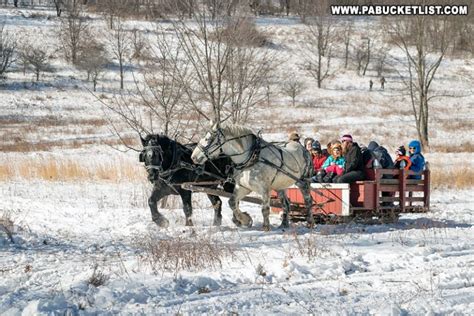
[[354, 161], [380, 153]]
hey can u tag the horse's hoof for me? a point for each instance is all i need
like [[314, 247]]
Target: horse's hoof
[[284, 225], [247, 220], [189, 222], [161, 222], [236, 221], [267, 228]]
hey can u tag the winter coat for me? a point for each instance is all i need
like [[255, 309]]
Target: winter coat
[[417, 159], [354, 161], [339, 161], [318, 162], [399, 160], [381, 154]]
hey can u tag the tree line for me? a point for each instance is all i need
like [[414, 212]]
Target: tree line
[[212, 62]]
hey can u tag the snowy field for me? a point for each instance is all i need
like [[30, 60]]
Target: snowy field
[[85, 246], [422, 265]]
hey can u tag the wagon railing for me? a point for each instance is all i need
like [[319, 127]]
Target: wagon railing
[[397, 187]]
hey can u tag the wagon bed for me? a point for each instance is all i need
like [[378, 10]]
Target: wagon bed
[[379, 197], [384, 196]]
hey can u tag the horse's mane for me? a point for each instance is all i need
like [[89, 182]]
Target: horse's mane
[[165, 141], [236, 130]]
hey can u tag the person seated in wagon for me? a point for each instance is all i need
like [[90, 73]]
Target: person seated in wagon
[[318, 156], [417, 159], [354, 164], [402, 161], [333, 166]]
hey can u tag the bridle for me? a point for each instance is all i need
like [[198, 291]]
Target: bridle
[[157, 149]]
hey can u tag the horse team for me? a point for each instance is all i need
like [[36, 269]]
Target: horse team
[[241, 162]]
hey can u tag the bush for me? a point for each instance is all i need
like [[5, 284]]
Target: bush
[[183, 253], [243, 32]]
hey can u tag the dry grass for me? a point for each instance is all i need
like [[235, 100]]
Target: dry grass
[[52, 168], [18, 133], [457, 126], [395, 112], [183, 253], [23, 145], [459, 178], [7, 225], [98, 277], [463, 148], [49, 121]]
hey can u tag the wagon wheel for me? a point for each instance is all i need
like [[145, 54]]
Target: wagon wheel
[[390, 217]]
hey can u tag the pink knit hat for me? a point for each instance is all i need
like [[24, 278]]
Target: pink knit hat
[[347, 138]]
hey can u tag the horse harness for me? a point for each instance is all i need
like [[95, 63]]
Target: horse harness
[[254, 155], [177, 164]]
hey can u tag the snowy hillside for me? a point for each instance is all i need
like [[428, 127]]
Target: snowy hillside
[[76, 235]]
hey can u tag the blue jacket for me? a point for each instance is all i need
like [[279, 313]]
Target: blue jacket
[[339, 161], [417, 159]]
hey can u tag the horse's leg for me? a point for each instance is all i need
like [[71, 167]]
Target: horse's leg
[[286, 208], [308, 201], [266, 210], [217, 205], [187, 206], [239, 217], [155, 196]]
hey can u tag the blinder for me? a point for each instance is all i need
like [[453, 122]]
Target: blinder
[[206, 150]]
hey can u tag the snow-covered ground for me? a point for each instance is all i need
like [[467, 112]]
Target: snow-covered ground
[[60, 231], [422, 265]]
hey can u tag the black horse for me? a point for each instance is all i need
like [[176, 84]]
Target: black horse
[[169, 164]]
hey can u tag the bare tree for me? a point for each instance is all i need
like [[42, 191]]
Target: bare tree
[[120, 45], [424, 41], [138, 44], [360, 56], [319, 43], [367, 53], [59, 6], [226, 69], [73, 32], [112, 10], [380, 56], [8, 45], [293, 88], [347, 31], [35, 58], [93, 61], [162, 92], [204, 68], [305, 8]]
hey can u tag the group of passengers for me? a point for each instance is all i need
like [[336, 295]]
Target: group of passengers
[[344, 161]]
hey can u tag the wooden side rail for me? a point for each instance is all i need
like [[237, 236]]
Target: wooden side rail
[[397, 181]]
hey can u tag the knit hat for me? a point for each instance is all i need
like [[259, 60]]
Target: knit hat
[[346, 137], [316, 146], [294, 136], [401, 151]]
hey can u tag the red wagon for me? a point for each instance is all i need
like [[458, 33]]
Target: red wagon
[[379, 197]]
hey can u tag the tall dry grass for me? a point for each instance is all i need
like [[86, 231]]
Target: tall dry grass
[[456, 178], [53, 168], [57, 168]]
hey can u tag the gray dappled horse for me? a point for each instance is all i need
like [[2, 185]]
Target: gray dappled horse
[[260, 167]]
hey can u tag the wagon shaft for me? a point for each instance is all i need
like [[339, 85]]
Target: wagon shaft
[[197, 187]]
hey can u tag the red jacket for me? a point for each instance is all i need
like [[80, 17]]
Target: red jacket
[[318, 162]]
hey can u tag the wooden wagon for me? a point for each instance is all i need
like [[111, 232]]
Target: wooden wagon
[[386, 194]]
